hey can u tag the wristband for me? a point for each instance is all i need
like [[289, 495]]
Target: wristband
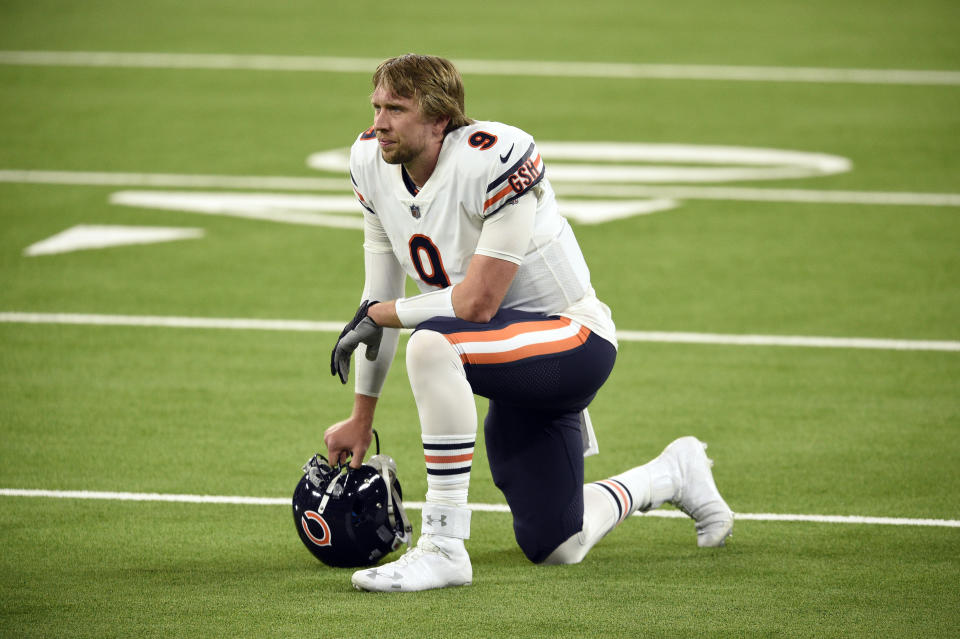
[[419, 308]]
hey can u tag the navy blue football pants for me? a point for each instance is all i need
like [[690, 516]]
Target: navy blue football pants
[[539, 373]]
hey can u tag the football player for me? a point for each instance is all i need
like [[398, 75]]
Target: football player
[[506, 311]]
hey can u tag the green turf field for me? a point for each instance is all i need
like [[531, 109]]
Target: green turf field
[[826, 429]]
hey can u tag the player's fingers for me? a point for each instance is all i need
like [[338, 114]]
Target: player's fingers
[[343, 365], [358, 454]]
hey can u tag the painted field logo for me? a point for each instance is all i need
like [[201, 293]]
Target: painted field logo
[[596, 182], [310, 529]]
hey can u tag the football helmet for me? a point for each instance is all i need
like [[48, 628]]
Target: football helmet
[[350, 517]]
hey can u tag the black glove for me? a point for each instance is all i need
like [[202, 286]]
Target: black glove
[[360, 330]]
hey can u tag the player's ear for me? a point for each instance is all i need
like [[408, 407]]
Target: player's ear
[[440, 125]]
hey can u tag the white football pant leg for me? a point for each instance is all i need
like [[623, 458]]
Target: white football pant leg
[[440, 388], [600, 516], [448, 414]]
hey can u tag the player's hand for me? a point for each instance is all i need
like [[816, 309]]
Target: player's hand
[[348, 439], [360, 330]]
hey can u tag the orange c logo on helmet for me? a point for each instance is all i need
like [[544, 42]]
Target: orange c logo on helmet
[[322, 540]]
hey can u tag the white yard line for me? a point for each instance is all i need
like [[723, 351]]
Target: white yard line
[[100, 178], [172, 322], [485, 67], [788, 340], [747, 194], [498, 508], [282, 183], [337, 326]]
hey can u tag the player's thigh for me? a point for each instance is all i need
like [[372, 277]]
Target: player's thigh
[[530, 359]]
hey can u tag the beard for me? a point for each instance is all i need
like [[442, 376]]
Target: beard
[[399, 153]]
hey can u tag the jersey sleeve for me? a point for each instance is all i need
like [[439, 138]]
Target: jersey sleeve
[[506, 234], [360, 154], [515, 168]]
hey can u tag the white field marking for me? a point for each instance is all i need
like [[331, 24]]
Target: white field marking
[[788, 340], [87, 178], [600, 211], [308, 210], [493, 508], [736, 163], [173, 322], [113, 496], [762, 195], [486, 67], [84, 237], [336, 327], [94, 178]]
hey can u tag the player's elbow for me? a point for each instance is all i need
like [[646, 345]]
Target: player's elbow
[[478, 309]]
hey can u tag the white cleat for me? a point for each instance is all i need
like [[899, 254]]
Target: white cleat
[[435, 562], [698, 495]]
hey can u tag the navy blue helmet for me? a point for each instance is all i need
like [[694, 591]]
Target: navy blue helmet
[[350, 516]]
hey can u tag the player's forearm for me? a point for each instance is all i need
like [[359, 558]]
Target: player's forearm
[[364, 407], [476, 299]]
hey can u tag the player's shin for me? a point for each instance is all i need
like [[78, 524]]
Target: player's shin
[[608, 502], [448, 416], [448, 428]]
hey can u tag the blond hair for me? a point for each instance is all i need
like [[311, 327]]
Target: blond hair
[[434, 82]]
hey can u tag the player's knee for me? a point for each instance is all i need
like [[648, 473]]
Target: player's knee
[[428, 352], [532, 551], [572, 551], [547, 545], [568, 552]]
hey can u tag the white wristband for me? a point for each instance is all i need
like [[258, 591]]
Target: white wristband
[[419, 308]]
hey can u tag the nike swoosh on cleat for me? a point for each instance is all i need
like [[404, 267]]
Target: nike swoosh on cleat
[[506, 156]]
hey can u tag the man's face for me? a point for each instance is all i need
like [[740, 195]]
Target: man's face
[[402, 131]]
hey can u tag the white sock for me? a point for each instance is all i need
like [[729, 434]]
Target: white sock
[[649, 485], [608, 502], [449, 459], [600, 516]]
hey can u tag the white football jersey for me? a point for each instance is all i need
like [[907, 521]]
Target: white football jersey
[[433, 232]]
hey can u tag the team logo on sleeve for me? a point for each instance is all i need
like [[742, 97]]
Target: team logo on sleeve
[[315, 528], [514, 181], [527, 174]]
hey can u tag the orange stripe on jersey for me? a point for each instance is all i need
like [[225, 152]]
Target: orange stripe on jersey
[[448, 459], [531, 350], [496, 198], [527, 175]]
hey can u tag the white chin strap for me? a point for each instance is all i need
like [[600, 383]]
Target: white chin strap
[[388, 471]]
